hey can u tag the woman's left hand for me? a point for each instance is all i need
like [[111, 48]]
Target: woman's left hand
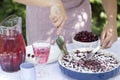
[[109, 35]]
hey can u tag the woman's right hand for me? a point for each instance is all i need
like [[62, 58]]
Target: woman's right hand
[[58, 16]]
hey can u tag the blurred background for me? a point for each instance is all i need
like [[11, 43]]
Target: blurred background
[[9, 7]]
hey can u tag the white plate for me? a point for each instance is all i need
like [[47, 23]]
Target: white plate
[[53, 56]]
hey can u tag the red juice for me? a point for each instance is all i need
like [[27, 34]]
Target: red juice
[[41, 54], [12, 52]]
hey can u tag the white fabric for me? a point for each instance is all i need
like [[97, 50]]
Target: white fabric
[[53, 70]]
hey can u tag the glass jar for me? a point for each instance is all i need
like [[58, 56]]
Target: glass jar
[[12, 44]]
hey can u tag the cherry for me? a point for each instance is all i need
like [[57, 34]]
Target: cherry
[[85, 36]]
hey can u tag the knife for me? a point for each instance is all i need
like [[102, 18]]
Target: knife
[[92, 53]]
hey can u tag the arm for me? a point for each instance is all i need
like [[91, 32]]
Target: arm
[[45, 3], [110, 7], [58, 14], [109, 33]]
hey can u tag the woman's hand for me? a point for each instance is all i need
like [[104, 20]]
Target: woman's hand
[[58, 17], [109, 35]]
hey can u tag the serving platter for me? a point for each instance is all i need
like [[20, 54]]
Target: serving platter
[[78, 75]]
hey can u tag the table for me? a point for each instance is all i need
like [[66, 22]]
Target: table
[[53, 70]]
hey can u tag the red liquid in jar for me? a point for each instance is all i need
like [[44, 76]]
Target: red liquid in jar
[[12, 52]]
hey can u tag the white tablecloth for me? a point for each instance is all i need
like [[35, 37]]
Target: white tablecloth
[[53, 70]]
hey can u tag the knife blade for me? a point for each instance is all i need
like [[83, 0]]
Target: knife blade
[[92, 53]]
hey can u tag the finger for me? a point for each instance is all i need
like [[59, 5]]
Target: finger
[[54, 22], [104, 45], [103, 36], [105, 42], [53, 18], [109, 44], [59, 30], [63, 20], [59, 22]]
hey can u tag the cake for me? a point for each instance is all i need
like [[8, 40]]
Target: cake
[[100, 62]]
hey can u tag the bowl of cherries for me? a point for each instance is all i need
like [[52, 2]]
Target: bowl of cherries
[[86, 39]]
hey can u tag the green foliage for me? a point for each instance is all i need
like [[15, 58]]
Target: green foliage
[[9, 7], [99, 18]]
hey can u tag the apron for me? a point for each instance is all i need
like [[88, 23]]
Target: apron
[[39, 26]]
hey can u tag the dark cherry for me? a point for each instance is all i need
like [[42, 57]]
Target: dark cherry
[[85, 36], [32, 56], [28, 55]]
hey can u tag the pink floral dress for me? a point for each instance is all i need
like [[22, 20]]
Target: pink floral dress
[[39, 26]]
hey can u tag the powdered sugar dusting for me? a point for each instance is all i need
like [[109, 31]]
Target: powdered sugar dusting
[[101, 62]]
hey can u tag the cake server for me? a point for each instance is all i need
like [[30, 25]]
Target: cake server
[[61, 44]]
